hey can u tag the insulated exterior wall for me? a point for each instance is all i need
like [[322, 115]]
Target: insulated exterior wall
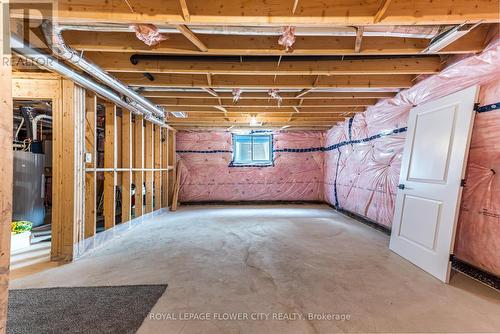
[[478, 234], [206, 176], [363, 157]]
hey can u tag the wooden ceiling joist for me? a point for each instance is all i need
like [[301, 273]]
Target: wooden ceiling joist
[[267, 45], [327, 103], [120, 62], [278, 13], [265, 96], [268, 82], [271, 110]]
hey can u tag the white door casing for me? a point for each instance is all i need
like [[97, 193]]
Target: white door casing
[[433, 166]]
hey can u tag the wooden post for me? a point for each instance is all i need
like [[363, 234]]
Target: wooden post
[[90, 176], [148, 165], [171, 163], [66, 113], [6, 127], [138, 164], [127, 164], [109, 162], [157, 166], [164, 166]]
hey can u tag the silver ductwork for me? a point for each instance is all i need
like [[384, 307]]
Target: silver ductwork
[[34, 124], [427, 32], [53, 64], [56, 43]]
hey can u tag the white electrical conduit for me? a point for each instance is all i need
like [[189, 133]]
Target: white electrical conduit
[[53, 64], [56, 43]]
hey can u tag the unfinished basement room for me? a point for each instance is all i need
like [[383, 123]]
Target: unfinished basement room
[[249, 166]]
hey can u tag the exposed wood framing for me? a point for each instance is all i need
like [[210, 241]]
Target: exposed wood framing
[[384, 5], [266, 45], [359, 38], [172, 163], [148, 165], [192, 37], [90, 177], [267, 81], [185, 10], [126, 158], [164, 165], [295, 4], [6, 127], [110, 155], [177, 185], [138, 164], [279, 13], [265, 96], [120, 62], [157, 165]]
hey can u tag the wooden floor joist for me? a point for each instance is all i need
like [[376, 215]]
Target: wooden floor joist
[[266, 45], [120, 62], [268, 82], [279, 13]]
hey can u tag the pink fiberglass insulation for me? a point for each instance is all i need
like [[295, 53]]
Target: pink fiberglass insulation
[[478, 234], [206, 175], [363, 157]]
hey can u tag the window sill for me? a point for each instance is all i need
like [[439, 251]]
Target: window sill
[[268, 164]]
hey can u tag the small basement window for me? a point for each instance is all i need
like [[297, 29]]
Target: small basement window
[[252, 150]]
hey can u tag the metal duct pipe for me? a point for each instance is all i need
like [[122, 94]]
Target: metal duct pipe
[[34, 124], [56, 43], [383, 31], [51, 63]]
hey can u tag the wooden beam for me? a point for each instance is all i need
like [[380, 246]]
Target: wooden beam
[[120, 62], [384, 5], [268, 82], [265, 96], [279, 13], [251, 110], [192, 37], [359, 38], [6, 126], [266, 45], [139, 164], [110, 154], [228, 103], [90, 176], [127, 164], [185, 10], [172, 162], [148, 164]]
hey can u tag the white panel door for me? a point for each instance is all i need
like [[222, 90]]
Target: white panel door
[[433, 165]]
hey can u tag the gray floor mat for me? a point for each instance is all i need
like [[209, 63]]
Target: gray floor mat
[[104, 309]]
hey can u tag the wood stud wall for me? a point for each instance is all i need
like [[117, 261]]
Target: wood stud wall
[[135, 152]]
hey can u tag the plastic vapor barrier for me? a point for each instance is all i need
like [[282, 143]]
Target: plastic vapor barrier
[[207, 176], [362, 174]]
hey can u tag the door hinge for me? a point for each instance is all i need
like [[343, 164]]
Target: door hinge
[[476, 107], [463, 182]]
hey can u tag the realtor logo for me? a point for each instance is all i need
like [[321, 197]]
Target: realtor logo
[[23, 18]]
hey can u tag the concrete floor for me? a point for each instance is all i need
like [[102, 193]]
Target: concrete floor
[[277, 261]]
